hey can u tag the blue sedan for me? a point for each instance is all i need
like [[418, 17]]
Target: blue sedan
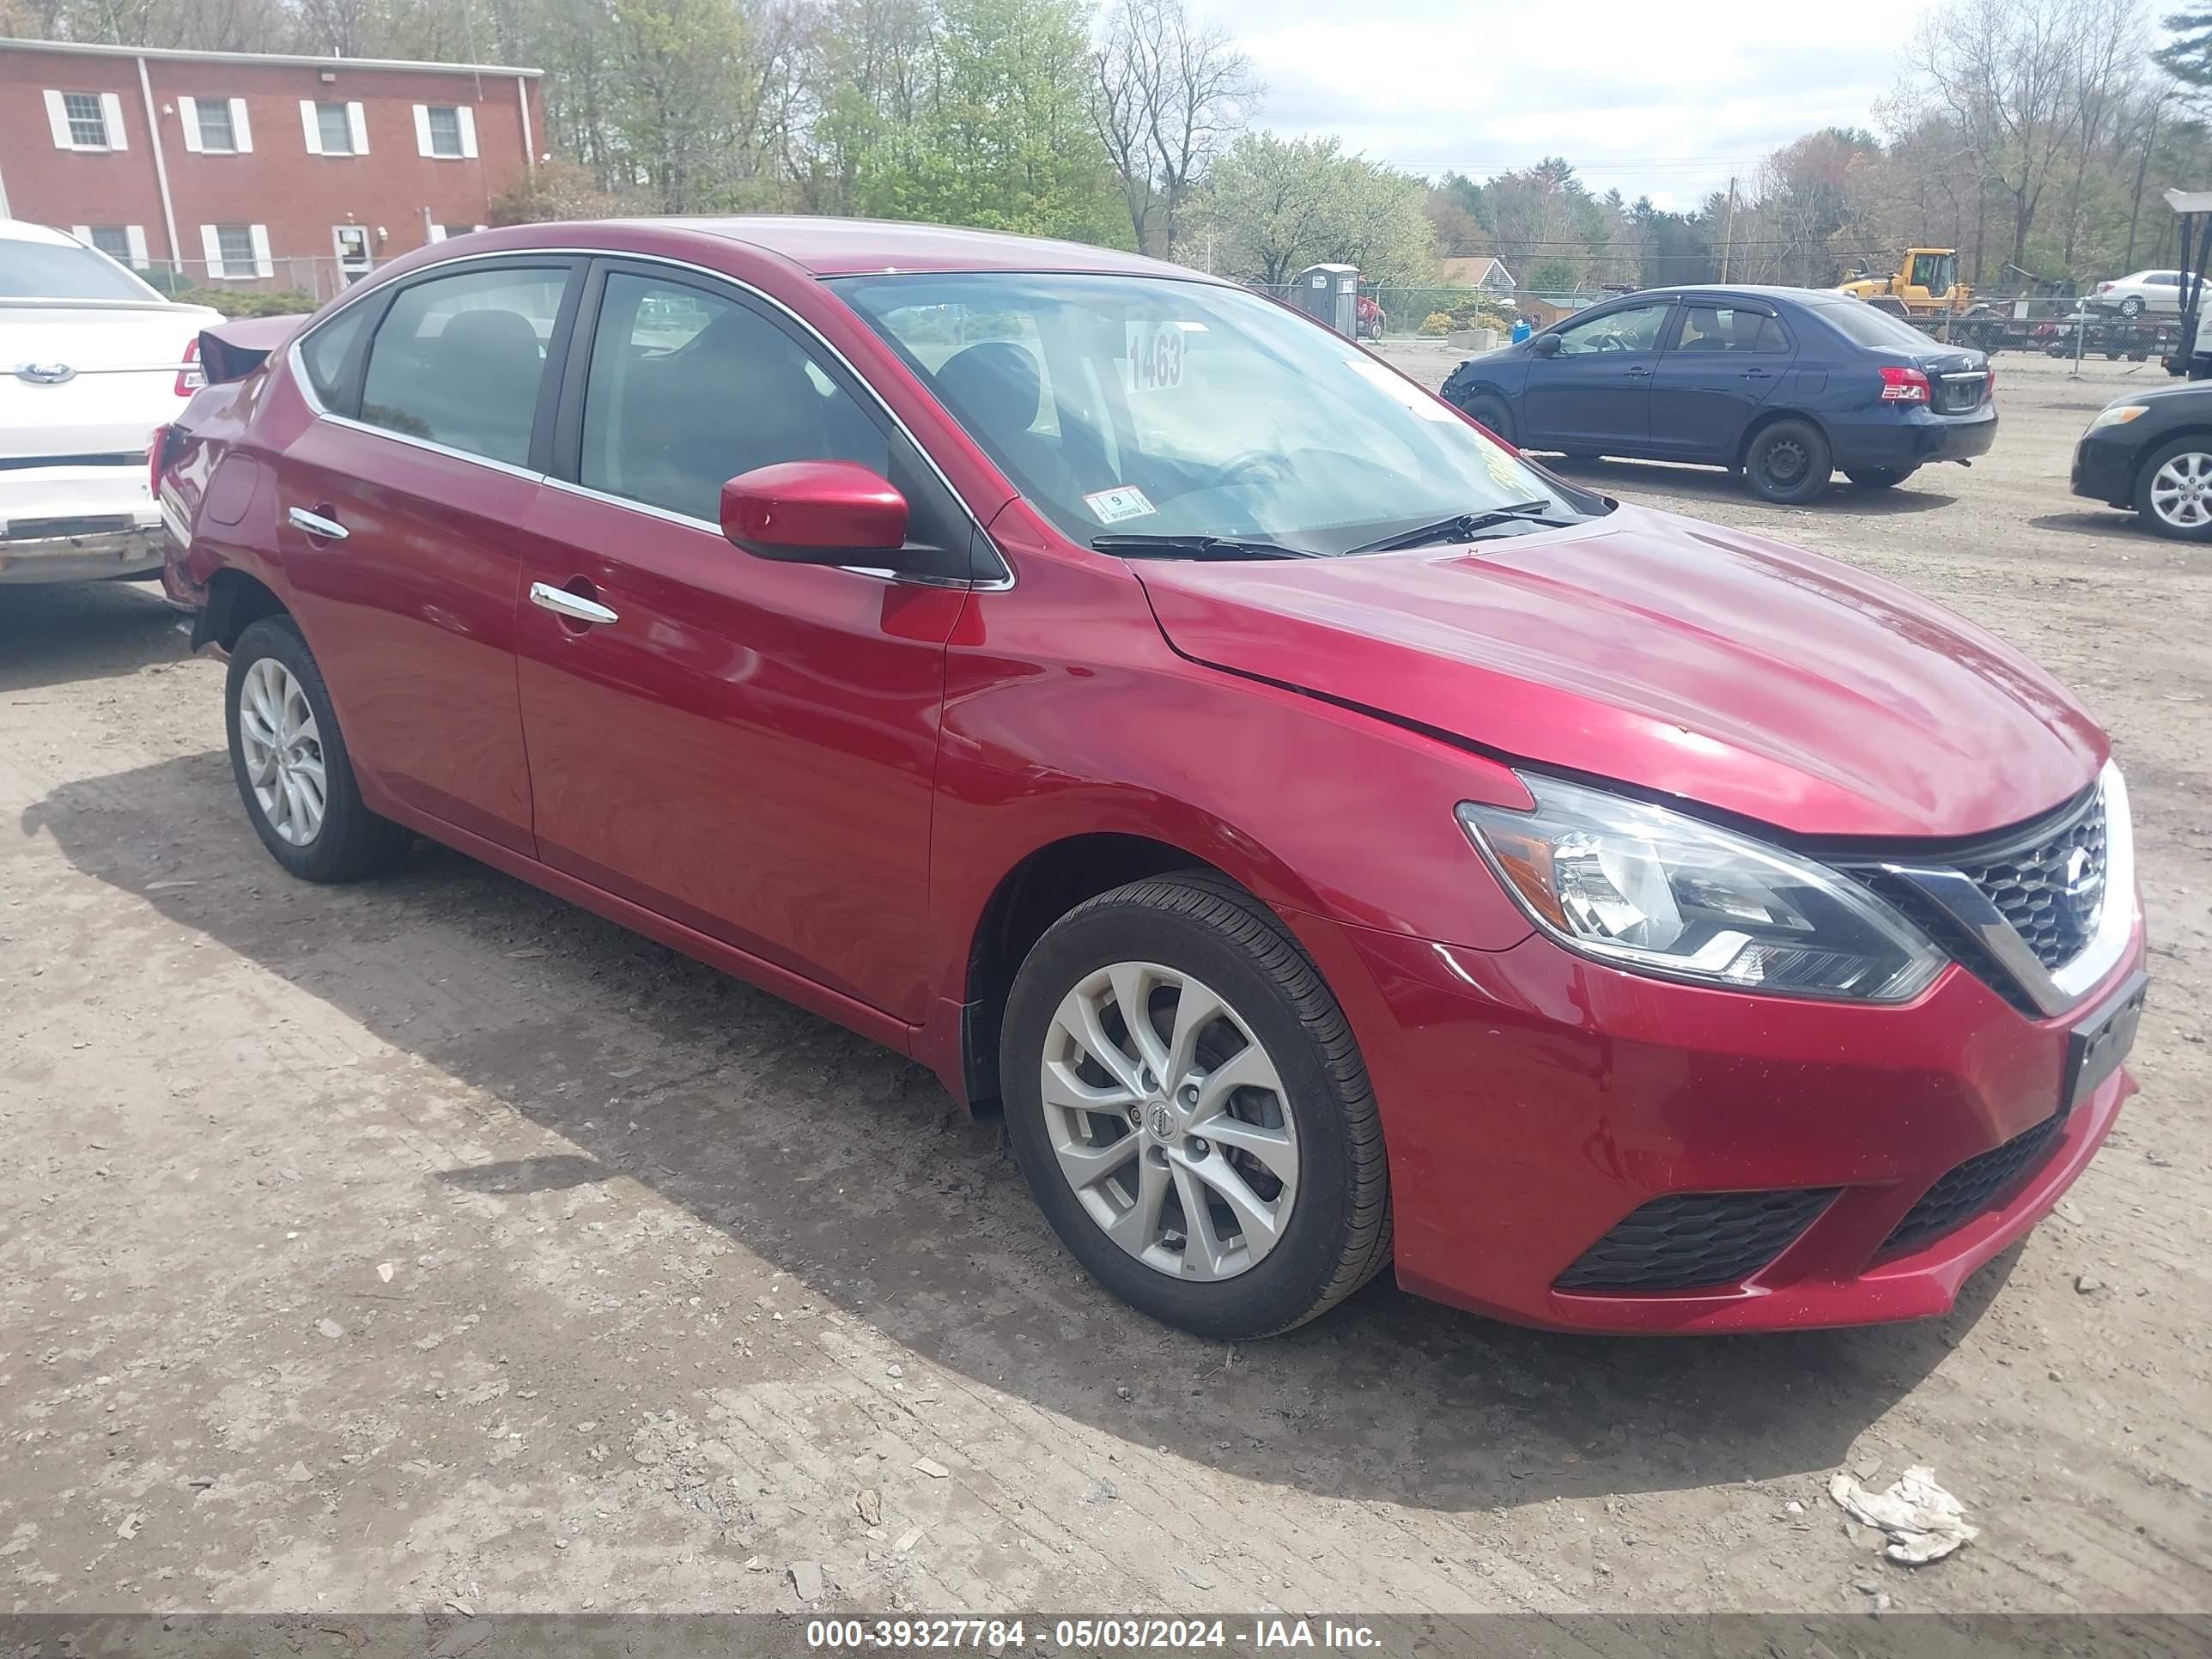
[[1786, 385]]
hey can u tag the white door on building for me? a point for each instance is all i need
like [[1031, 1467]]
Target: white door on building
[[351, 244]]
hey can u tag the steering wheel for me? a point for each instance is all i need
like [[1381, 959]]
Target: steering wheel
[[1231, 472], [1612, 342]]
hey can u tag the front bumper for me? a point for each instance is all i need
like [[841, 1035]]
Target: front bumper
[[1907, 437], [1534, 1100], [68, 524], [2105, 466]]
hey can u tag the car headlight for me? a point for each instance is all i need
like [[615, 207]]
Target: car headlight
[[1654, 891], [2117, 415]]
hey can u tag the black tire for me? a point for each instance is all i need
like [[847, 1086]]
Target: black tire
[[2132, 306], [1492, 412], [351, 841], [1881, 477], [1786, 462], [2148, 471], [1197, 923]]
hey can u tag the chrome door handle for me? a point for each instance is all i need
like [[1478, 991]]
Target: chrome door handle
[[562, 603], [315, 524]]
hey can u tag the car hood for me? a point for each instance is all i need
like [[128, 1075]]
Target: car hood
[[1699, 662]]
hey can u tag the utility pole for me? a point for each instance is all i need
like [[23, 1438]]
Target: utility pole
[[1728, 235]]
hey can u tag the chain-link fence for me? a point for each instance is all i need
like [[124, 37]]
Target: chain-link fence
[[267, 286]]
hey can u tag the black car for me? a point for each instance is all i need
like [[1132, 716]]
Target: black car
[[2152, 450], [1787, 385]]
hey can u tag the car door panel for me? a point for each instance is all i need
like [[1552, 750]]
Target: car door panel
[[747, 750], [748, 747], [1722, 363], [412, 617], [1595, 393], [426, 461]]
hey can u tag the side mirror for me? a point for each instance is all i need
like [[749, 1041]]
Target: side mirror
[[813, 512], [1544, 345]]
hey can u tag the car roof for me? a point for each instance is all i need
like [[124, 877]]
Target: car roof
[[22, 230], [849, 247], [1772, 294]]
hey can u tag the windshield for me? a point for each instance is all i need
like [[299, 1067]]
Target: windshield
[[1935, 271], [1869, 325], [1147, 405], [63, 271]]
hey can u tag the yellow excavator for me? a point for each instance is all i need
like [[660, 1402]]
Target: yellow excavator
[[1925, 286]]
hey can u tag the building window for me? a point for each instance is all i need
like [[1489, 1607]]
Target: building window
[[236, 242], [236, 251], [87, 122], [215, 131], [447, 131], [112, 240], [334, 129]]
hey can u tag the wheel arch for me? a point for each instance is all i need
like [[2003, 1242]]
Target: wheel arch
[[1047, 884], [236, 600]]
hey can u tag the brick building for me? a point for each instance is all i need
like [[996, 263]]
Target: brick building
[[251, 170]]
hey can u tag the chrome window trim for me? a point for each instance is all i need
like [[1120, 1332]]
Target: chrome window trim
[[999, 584], [2058, 991], [431, 445]]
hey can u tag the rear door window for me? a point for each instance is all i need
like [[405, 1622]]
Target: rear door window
[[460, 360], [1708, 328]]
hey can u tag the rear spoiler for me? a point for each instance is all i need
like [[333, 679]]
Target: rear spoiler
[[233, 350]]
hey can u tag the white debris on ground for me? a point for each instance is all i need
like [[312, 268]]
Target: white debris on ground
[[1922, 1521]]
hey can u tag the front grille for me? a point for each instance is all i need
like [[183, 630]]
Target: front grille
[[1961, 394], [2050, 897], [1973, 1187], [1691, 1241]]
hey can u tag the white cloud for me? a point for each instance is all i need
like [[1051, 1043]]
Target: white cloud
[[1664, 101]]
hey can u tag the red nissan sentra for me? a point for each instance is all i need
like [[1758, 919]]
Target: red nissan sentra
[[1332, 841]]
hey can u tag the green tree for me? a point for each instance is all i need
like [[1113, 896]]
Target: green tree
[[1003, 139], [1275, 205]]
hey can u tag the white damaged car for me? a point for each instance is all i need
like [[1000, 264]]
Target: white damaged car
[[92, 360]]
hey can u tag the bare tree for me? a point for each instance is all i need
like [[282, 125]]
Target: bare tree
[[1169, 94], [2008, 72]]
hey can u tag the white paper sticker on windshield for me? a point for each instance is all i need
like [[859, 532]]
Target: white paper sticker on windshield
[[1399, 387], [1124, 502], [1154, 360]]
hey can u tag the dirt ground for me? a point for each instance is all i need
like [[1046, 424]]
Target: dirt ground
[[431, 1242]]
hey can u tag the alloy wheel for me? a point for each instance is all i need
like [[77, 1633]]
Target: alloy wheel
[[283, 751], [1167, 1119], [2181, 491]]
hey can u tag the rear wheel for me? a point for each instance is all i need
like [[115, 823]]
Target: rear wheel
[[2132, 306], [1787, 462], [2173, 489], [291, 764], [1186, 1100], [1881, 477]]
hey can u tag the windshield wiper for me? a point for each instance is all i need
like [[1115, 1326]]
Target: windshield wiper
[[1196, 547], [1459, 527]]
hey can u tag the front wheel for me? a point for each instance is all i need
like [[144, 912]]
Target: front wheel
[[1787, 462], [1881, 477], [2174, 490], [1185, 1098], [291, 764], [1493, 413]]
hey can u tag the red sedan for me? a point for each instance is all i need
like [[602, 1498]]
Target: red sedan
[[1332, 842]]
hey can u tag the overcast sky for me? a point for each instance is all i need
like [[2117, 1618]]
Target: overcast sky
[[1660, 100]]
